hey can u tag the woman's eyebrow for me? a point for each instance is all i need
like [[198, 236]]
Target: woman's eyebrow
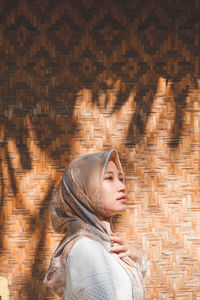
[[111, 172], [107, 172]]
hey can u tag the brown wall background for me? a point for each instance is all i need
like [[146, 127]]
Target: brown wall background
[[84, 76]]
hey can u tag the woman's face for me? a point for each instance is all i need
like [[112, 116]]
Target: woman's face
[[113, 190]]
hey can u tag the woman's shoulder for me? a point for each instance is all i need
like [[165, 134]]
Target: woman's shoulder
[[86, 259], [91, 268], [88, 271], [86, 247]]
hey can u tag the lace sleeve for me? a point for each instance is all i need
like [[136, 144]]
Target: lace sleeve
[[99, 291], [144, 265], [141, 261]]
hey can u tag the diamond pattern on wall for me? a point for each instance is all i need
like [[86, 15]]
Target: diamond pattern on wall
[[82, 76]]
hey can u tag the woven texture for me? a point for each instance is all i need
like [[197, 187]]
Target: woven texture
[[84, 76]]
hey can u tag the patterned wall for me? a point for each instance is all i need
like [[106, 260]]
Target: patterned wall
[[82, 76]]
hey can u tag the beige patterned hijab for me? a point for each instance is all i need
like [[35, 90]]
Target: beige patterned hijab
[[77, 209]]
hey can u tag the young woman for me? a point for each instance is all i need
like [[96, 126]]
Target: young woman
[[90, 261]]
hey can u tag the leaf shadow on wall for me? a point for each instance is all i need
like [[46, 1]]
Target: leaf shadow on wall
[[49, 107]]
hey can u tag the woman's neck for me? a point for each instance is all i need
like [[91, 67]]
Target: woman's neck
[[108, 226]]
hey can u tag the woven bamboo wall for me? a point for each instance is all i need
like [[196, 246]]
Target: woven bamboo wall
[[81, 76]]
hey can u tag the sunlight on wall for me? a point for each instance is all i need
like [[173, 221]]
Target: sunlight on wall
[[4, 292], [162, 218]]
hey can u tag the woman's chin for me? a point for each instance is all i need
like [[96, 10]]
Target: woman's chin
[[119, 210], [123, 206]]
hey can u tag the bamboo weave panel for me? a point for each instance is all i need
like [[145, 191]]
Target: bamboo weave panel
[[87, 76]]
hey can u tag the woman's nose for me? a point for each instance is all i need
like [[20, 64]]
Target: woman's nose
[[122, 186]]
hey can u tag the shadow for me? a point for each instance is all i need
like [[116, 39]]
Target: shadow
[[35, 289], [180, 104], [51, 50], [11, 173], [21, 143], [1, 205], [142, 111], [122, 97]]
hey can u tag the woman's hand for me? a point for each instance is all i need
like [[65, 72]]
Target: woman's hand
[[122, 249]]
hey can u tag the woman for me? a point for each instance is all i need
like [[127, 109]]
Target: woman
[[91, 262]]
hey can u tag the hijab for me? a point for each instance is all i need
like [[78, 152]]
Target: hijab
[[77, 210]]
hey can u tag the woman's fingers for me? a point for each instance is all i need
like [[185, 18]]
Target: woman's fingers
[[123, 254], [118, 248], [116, 239], [122, 249]]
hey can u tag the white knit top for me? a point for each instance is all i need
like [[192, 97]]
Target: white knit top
[[94, 274]]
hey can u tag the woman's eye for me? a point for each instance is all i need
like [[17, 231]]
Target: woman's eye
[[109, 178], [121, 179]]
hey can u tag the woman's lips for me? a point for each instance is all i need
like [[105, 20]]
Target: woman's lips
[[122, 198]]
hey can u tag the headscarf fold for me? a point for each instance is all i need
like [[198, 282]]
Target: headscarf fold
[[77, 210]]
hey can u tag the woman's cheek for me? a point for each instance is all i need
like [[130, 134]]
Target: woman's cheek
[[105, 190]]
